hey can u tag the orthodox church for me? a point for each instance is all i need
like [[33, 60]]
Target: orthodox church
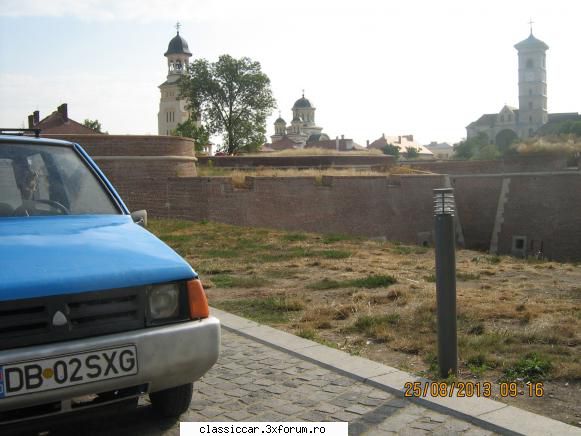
[[531, 115], [302, 130]]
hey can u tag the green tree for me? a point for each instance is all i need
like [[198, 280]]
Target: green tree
[[392, 150], [469, 148], [411, 153], [191, 129], [233, 98], [487, 152], [93, 124]]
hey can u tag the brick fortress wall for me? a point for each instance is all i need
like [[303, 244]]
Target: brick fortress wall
[[158, 174], [135, 161], [521, 164]]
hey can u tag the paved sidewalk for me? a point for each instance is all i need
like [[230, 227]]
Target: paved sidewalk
[[265, 374], [255, 382]]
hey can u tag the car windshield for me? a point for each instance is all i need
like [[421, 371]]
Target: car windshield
[[39, 179]]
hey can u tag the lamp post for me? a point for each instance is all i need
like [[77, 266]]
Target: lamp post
[[446, 281]]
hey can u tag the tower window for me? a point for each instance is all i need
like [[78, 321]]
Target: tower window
[[502, 118], [529, 63], [509, 117], [530, 104], [530, 119], [530, 91]]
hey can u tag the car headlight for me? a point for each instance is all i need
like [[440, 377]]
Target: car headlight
[[164, 301]]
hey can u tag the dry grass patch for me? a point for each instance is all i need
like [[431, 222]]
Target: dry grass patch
[[379, 301]]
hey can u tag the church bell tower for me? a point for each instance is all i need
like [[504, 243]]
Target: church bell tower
[[532, 85], [172, 109]]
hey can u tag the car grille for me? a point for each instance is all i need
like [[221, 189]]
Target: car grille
[[36, 321]]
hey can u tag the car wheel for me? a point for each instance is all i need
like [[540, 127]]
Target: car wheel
[[171, 403]]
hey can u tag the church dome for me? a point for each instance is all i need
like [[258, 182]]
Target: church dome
[[280, 121], [531, 43], [178, 45], [302, 103]]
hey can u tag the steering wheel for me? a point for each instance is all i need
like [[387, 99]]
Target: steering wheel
[[21, 210]]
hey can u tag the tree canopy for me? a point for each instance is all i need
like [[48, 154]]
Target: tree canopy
[[471, 148], [93, 124], [392, 150], [191, 129], [411, 152], [232, 97]]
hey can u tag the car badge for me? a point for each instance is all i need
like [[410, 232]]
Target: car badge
[[59, 319]]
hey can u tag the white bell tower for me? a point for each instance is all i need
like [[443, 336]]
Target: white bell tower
[[172, 109]]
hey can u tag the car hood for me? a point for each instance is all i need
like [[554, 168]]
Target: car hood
[[44, 256]]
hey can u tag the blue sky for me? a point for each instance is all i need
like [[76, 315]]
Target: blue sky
[[370, 67]]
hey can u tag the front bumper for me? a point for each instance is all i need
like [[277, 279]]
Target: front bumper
[[168, 356]]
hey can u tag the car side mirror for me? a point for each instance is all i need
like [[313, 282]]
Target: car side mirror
[[140, 217]]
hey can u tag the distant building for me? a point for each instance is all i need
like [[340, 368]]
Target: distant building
[[302, 130], [403, 142], [58, 123], [337, 144], [523, 122], [172, 108], [441, 150]]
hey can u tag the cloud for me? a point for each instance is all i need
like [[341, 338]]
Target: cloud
[[146, 11], [111, 10]]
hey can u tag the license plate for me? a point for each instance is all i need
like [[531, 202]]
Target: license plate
[[67, 370]]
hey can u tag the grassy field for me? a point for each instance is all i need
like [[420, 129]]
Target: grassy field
[[517, 319]]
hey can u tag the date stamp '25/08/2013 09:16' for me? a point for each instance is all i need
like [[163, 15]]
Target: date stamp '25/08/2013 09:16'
[[471, 389]]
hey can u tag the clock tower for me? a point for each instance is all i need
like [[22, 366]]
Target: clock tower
[[532, 85]]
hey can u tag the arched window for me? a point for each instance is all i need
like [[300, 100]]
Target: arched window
[[502, 118], [530, 91], [530, 104], [529, 63]]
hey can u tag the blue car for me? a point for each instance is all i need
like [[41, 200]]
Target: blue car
[[94, 309]]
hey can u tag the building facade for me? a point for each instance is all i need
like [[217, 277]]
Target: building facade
[[531, 116], [58, 123], [173, 109], [302, 130], [522, 122]]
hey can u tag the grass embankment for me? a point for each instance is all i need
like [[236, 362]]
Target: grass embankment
[[238, 176], [517, 319]]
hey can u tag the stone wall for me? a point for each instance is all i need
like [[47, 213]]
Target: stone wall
[[543, 209], [136, 161], [393, 208], [522, 164]]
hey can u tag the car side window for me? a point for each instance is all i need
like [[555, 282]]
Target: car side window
[[9, 194]]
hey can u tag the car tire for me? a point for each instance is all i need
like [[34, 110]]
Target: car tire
[[171, 403]]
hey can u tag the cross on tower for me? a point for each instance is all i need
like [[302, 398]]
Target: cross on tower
[[531, 22], [178, 25], [303, 93]]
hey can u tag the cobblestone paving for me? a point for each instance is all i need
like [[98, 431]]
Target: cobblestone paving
[[254, 382]]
